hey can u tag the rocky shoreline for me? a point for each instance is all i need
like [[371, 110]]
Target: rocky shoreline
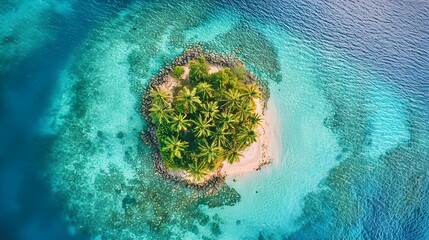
[[212, 182]]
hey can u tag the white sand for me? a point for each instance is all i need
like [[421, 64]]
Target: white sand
[[186, 74], [213, 68]]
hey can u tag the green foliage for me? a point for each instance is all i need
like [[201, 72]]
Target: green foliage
[[198, 169], [246, 135], [174, 146], [178, 71], [203, 126], [179, 122], [163, 131], [198, 71], [219, 136], [232, 153], [239, 72], [219, 79], [209, 119], [188, 100], [160, 96], [250, 91], [205, 90], [210, 109], [233, 98], [209, 151], [160, 113], [244, 112], [255, 119], [227, 121]]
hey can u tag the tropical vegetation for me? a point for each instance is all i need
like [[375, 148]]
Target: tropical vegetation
[[206, 119], [178, 71]]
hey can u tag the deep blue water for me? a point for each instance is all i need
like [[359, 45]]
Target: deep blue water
[[386, 41], [27, 208]]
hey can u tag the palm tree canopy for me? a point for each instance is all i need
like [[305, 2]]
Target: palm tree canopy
[[210, 109], [232, 154], [179, 122], [174, 146], [255, 119], [219, 137], [205, 90], [210, 152], [233, 98], [198, 169], [202, 126], [251, 91], [227, 120], [246, 135], [244, 111], [160, 95], [206, 118], [159, 114], [188, 99]]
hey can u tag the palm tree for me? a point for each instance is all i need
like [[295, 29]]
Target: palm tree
[[250, 91], [188, 100], [198, 70], [255, 119], [202, 127], [205, 90], [210, 152], [198, 169], [179, 122], [160, 95], [174, 146], [244, 111], [239, 72], [178, 71], [231, 81], [246, 135], [219, 79], [210, 109], [232, 153], [233, 98], [227, 120], [159, 113], [219, 137]]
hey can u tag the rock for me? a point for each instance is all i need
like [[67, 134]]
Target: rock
[[120, 135], [128, 201]]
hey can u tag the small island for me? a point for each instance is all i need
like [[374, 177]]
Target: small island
[[205, 111]]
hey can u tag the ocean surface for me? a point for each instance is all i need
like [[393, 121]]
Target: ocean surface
[[349, 81]]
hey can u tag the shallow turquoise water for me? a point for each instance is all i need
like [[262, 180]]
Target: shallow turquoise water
[[350, 95]]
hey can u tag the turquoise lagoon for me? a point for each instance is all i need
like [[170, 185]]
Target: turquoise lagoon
[[353, 158]]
